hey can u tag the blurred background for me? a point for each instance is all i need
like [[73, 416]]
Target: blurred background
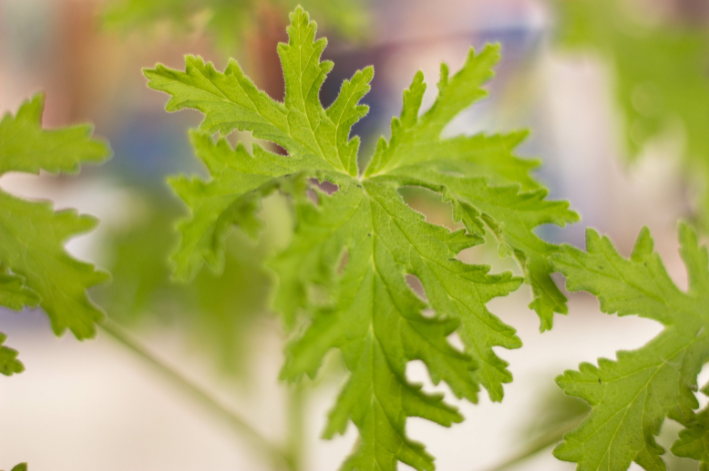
[[616, 94]]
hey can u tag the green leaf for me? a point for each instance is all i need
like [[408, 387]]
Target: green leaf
[[9, 364], [346, 266], [631, 397], [34, 267]]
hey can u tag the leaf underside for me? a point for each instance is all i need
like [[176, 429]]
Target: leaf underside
[[632, 396], [358, 244], [35, 270]]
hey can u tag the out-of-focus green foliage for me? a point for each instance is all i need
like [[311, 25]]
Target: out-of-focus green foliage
[[557, 413], [219, 313], [226, 21], [660, 72]]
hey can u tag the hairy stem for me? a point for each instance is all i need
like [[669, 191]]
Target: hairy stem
[[280, 459]]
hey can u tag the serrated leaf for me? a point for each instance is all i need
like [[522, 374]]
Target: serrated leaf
[[694, 440], [34, 267], [631, 397], [346, 266]]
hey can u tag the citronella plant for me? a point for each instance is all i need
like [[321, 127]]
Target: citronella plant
[[342, 279], [359, 243]]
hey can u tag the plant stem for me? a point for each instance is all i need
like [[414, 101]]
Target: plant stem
[[279, 458], [296, 426], [538, 444]]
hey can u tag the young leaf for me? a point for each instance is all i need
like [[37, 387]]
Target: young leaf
[[358, 244], [631, 397], [34, 267]]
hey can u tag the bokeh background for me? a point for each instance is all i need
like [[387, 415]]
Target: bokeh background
[[617, 96]]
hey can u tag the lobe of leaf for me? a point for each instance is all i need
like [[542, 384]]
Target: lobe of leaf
[[631, 397], [34, 267], [356, 246], [9, 364]]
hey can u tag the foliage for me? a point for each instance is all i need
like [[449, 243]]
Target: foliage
[[631, 397], [659, 74], [217, 313], [34, 267], [345, 267], [227, 20]]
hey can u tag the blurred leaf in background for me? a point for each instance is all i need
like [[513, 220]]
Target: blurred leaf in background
[[660, 67], [228, 21], [555, 413], [218, 313]]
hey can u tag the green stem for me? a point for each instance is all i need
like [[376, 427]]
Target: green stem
[[538, 444], [279, 458], [296, 426]]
